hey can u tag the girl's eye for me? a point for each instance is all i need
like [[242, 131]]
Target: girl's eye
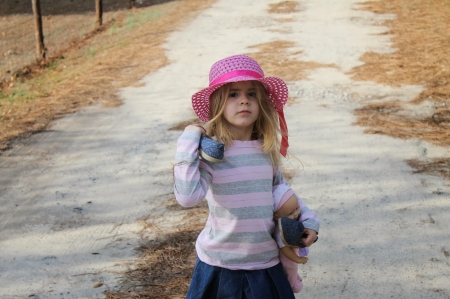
[[252, 94], [233, 95]]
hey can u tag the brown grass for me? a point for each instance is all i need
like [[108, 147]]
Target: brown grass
[[92, 70], [165, 266], [274, 58], [17, 36], [436, 166], [421, 35], [163, 270], [284, 7], [387, 118]]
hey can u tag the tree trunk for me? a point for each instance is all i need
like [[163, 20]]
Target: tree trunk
[[40, 48], [98, 13]]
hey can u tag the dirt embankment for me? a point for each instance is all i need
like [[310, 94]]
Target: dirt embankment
[[92, 69]]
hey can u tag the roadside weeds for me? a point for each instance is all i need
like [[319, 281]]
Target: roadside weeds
[[92, 71]]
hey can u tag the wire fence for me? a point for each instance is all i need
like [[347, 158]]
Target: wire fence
[[63, 21]]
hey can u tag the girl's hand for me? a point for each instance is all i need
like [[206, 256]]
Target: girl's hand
[[311, 236], [195, 127]]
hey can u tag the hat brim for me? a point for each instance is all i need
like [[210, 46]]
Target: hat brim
[[276, 89]]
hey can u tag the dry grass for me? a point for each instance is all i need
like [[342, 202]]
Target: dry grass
[[165, 266], [284, 7], [163, 270], [387, 118], [17, 36], [421, 35], [436, 166], [275, 59], [92, 70]]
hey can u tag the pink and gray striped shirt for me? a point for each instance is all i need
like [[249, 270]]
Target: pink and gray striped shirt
[[240, 192]]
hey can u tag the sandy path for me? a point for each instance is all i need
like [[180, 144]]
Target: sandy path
[[71, 198]]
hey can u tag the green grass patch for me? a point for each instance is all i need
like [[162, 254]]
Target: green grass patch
[[113, 29], [131, 21], [52, 65], [21, 92], [147, 16], [92, 51]]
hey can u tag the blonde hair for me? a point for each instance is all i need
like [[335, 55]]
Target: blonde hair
[[265, 127]]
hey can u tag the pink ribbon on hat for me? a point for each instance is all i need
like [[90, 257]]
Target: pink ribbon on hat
[[233, 74], [256, 75], [284, 134]]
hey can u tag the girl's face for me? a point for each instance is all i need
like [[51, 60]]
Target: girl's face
[[241, 108]]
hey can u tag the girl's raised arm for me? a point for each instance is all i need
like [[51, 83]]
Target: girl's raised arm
[[191, 176]]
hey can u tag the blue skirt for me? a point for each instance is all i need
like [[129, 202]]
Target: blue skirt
[[209, 282]]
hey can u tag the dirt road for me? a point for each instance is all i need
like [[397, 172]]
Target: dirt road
[[72, 197]]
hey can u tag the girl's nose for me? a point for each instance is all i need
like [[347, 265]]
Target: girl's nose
[[244, 100]]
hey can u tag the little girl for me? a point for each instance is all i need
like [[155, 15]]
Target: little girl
[[237, 256]]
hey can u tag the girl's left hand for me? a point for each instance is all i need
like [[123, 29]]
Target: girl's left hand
[[311, 237]]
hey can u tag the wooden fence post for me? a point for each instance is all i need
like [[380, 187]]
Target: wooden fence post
[[98, 13], [40, 48]]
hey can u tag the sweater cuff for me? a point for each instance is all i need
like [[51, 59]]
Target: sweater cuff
[[311, 224]]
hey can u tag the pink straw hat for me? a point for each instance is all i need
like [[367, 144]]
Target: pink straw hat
[[242, 68]]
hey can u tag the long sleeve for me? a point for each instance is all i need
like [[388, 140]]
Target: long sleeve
[[190, 174], [281, 189], [238, 231], [308, 218]]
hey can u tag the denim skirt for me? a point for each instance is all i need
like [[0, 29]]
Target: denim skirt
[[209, 282]]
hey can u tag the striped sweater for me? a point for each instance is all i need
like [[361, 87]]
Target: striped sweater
[[240, 192]]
